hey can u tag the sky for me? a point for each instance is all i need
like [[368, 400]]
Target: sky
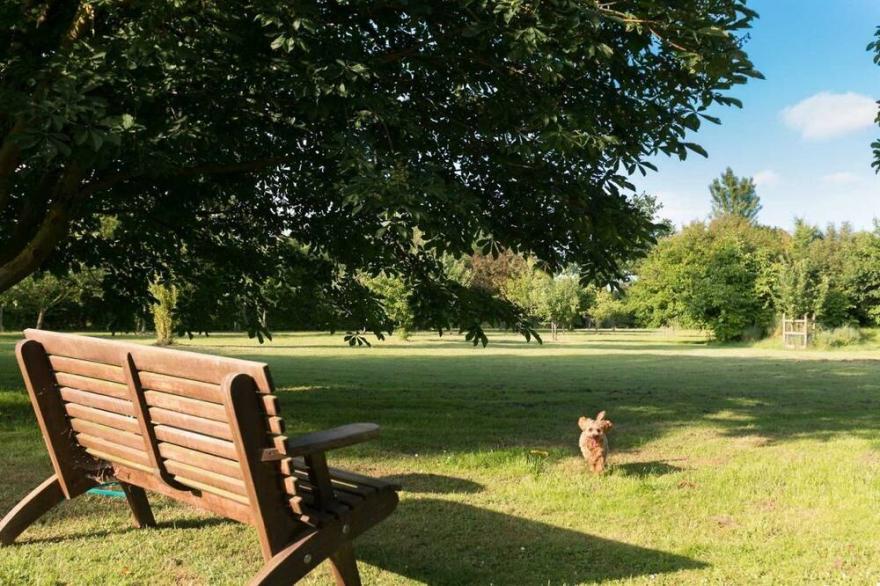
[[804, 133]]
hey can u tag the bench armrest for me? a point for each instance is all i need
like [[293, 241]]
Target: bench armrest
[[329, 439]]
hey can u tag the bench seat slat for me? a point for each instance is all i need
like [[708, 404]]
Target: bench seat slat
[[197, 441], [114, 449], [200, 425], [97, 401], [186, 406], [110, 434], [117, 460], [92, 385], [219, 481], [191, 389], [212, 489], [114, 420], [202, 460], [99, 370]]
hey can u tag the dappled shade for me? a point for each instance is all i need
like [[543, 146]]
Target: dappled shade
[[492, 547]]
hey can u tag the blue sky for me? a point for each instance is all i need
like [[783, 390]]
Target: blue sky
[[804, 133]]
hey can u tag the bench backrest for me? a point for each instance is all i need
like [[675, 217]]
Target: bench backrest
[[161, 419]]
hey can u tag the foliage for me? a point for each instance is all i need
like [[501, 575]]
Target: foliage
[[838, 337], [528, 287], [717, 276], [566, 300], [213, 133], [39, 294], [874, 47], [163, 310], [732, 195], [608, 309], [801, 289], [394, 293]]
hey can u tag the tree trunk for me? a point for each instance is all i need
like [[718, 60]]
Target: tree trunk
[[40, 316], [2, 327]]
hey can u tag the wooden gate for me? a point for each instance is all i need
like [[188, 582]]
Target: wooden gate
[[797, 333]]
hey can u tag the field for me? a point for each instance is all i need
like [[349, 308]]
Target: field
[[730, 465]]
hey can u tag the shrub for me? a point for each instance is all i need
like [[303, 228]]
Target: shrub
[[163, 311], [838, 337], [753, 333]]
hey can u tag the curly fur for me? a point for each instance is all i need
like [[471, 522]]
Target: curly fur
[[593, 441]]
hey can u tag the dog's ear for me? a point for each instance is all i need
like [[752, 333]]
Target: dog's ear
[[583, 423], [600, 416], [606, 425]]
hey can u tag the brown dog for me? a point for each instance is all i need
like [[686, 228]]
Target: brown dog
[[593, 442]]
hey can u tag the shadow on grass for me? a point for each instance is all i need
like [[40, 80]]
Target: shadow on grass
[[436, 484], [469, 404], [646, 469], [61, 520], [485, 547]]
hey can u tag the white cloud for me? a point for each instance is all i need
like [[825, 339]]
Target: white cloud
[[841, 178], [826, 115], [766, 178]]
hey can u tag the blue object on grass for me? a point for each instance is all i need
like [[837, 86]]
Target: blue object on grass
[[104, 490]]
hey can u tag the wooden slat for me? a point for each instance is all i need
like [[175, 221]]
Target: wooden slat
[[276, 425], [270, 405], [301, 478], [212, 489], [197, 441], [205, 501], [279, 444], [177, 363], [113, 420], [107, 433], [191, 423], [303, 488], [118, 460], [152, 381], [202, 460], [92, 385], [293, 465], [304, 507], [107, 372], [114, 449], [187, 406], [97, 401], [206, 477]]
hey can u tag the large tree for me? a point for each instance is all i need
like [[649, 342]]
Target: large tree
[[376, 136], [734, 196]]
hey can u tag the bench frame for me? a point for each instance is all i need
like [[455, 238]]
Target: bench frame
[[292, 544]]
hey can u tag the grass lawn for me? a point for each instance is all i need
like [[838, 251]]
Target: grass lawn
[[729, 465]]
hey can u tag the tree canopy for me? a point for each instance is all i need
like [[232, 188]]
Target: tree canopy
[[231, 144], [736, 196]]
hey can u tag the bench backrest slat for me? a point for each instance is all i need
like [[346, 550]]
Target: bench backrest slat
[[184, 438]]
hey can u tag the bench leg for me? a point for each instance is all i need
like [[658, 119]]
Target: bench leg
[[30, 508], [343, 565], [140, 506]]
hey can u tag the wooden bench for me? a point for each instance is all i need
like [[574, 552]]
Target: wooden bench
[[201, 429]]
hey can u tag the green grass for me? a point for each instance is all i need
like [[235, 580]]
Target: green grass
[[730, 465]]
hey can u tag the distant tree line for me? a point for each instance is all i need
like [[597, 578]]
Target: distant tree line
[[728, 275]]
